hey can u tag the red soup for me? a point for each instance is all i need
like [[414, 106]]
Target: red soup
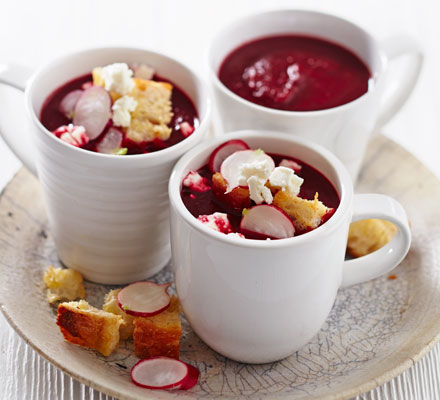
[[295, 197], [148, 114], [295, 73]]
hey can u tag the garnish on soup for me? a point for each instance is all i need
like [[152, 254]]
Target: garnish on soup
[[120, 110], [250, 194]]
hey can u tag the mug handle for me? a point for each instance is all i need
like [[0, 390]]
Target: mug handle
[[385, 259], [13, 128], [397, 91]]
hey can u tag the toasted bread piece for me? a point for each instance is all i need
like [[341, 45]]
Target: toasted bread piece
[[369, 235], [238, 198], [159, 335], [305, 214], [153, 113], [82, 324], [63, 284], [111, 305], [98, 80]]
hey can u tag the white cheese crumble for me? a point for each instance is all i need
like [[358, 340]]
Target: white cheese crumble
[[290, 164], [255, 174], [236, 234], [118, 78], [286, 179], [217, 221], [193, 178], [258, 191], [260, 169], [77, 132], [196, 182], [121, 110]]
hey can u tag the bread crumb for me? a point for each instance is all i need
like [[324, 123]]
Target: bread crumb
[[63, 284], [87, 326], [305, 214], [111, 305], [160, 334], [153, 113], [369, 235]]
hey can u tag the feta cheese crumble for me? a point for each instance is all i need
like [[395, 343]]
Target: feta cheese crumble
[[254, 174], [121, 110], [118, 78], [186, 129], [218, 222], [237, 234], [285, 179], [196, 182], [72, 134], [260, 169], [258, 190], [290, 164], [249, 168]]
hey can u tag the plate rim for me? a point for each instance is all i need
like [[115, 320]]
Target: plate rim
[[400, 366]]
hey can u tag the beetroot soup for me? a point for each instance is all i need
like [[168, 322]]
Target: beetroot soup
[[119, 109], [295, 73], [247, 193]]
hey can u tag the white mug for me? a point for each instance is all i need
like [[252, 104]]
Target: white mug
[[108, 214], [258, 301], [344, 130]]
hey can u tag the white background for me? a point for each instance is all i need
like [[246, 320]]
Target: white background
[[32, 32]]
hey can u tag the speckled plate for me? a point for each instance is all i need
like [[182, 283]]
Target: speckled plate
[[375, 331]]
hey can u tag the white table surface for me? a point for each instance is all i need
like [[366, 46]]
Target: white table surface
[[32, 32]]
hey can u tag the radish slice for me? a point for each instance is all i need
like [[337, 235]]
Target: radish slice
[[224, 151], [191, 379], [267, 220], [86, 85], [143, 71], [160, 373], [68, 104], [144, 299], [290, 164], [111, 141], [93, 111], [241, 165]]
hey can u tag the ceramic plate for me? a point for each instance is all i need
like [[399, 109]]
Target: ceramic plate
[[375, 331]]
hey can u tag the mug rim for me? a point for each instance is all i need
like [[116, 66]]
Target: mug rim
[[200, 85], [274, 111], [343, 177]]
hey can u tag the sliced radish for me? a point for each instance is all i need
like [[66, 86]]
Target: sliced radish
[[255, 235], [143, 71], [191, 379], [290, 164], [93, 111], [161, 373], [241, 165], [111, 141], [144, 299], [68, 103], [267, 220], [86, 85], [224, 151]]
